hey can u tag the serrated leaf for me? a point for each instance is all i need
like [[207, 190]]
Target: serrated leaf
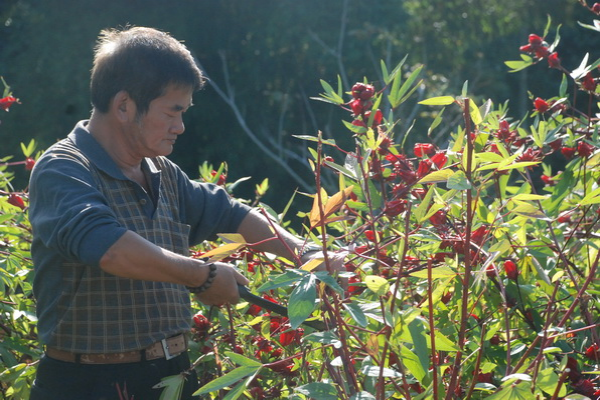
[[438, 101]]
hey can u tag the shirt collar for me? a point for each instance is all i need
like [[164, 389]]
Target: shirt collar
[[89, 146]]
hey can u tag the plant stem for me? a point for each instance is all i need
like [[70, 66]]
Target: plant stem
[[467, 274]]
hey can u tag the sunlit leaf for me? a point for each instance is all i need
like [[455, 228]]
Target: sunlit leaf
[[438, 101], [377, 284], [223, 251]]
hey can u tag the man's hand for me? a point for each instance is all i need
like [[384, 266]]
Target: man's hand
[[224, 289]]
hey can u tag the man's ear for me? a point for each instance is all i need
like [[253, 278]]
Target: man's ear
[[123, 107]]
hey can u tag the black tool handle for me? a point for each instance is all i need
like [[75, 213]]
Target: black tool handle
[[274, 307]]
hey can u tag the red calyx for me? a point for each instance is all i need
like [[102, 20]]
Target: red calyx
[[512, 272], [541, 105]]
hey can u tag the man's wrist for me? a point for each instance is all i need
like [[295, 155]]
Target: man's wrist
[[212, 273]]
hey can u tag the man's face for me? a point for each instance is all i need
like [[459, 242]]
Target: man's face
[[158, 129]]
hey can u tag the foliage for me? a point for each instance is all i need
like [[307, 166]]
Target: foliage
[[271, 54], [471, 267]]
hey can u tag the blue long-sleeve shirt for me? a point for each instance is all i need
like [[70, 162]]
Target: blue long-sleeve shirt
[[80, 205]]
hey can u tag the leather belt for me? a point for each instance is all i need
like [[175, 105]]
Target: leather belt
[[166, 348]]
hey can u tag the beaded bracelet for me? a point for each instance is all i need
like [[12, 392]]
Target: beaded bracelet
[[212, 273]]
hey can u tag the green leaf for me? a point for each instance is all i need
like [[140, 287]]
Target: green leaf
[[438, 101], [474, 112], [459, 181], [329, 280], [356, 313], [436, 273], [377, 284], [374, 371], [436, 122], [522, 391], [362, 396], [442, 343], [437, 176], [173, 387], [318, 390], [547, 380], [227, 380], [287, 279], [404, 92], [592, 197], [241, 360], [302, 300], [412, 363], [421, 211], [516, 66]]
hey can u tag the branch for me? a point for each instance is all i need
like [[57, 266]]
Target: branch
[[229, 98]]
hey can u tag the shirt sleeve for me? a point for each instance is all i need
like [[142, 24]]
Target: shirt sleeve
[[208, 209], [68, 213]]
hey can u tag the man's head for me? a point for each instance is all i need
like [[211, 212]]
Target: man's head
[[142, 62]]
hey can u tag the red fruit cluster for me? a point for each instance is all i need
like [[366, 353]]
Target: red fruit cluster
[[222, 178], [201, 325], [8, 101], [361, 104], [539, 48]]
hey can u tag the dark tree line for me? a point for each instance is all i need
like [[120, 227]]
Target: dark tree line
[[267, 56]]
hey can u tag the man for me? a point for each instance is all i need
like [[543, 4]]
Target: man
[[113, 220]]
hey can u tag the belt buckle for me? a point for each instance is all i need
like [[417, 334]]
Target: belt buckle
[[165, 347]]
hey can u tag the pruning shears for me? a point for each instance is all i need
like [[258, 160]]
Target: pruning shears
[[274, 307]]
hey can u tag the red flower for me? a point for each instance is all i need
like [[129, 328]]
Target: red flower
[[424, 168], [526, 48], [439, 160], [530, 155], [16, 201], [372, 235], [290, 336], [395, 207], [541, 105], [8, 101], [584, 149], [222, 178], [422, 149], [589, 83], [479, 234], [439, 218], [29, 163], [512, 272], [593, 352], [535, 40], [568, 152], [555, 144], [554, 61], [547, 180]]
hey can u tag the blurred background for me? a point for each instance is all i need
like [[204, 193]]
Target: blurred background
[[265, 59]]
